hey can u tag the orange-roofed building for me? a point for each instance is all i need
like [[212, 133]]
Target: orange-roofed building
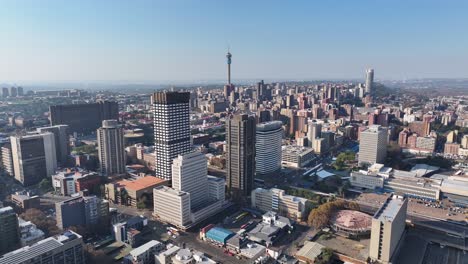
[[130, 192]]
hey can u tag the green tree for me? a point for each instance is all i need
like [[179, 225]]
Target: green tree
[[45, 185]]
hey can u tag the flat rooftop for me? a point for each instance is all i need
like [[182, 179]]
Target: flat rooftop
[[141, 183], [389, 209]]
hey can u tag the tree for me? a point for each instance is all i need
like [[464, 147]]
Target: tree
[[46, 224], [45, 185], [320, 216], [325, 256], [97, 256]]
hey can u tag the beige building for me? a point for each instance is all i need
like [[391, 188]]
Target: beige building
[[278, 201], [172, 206], [373, 145], [134, 190], [388, 226], [111, 148]]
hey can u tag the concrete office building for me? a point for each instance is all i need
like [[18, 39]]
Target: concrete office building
[[277, 200], [388, 226], [189, 174], [62, 146], [268, 143], [296, 156], [240, 161], [83, 118], [366, 180], [9, 228], [144, 254], [369, 81], [172, 206], [373, 145], [111, 148], [171, 114], [34, 157], [84, 211], [64, 248]]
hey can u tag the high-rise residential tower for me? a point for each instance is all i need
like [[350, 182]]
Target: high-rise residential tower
[[369, 81], [33, 156], [62, 145], [171, 113], [373, 145], [269, 136], [240, 147], [111, 148]]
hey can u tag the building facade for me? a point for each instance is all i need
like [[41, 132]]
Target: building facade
[[83, 118], [373, 145], [240, 149], [34, 157], [171, 114], [268, 143], [62, 146], [111, 148], [9, 228], [388, 226]]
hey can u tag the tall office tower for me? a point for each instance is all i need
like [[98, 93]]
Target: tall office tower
[[82, 211], [373, 145], [189, 174], [240, 148], [62, 145], [34, 157], [5, 92], [13, 91], [83, 118], [20, 91], [64, 248], [369, 81], [268, 150], [261, 91], [111, 148], [9, 228], [388, 225], [171, 129], [264, 116], [314, 131]]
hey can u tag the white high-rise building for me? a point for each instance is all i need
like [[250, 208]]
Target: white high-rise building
[[111, 148], [373, 145], [171, 114], [268, 143], [369, 80], [189, 173], [34, 157], [194, 195]]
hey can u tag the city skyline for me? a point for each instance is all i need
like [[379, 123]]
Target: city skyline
[[181, 41]]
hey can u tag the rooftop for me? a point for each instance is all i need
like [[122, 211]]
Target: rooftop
[[144, 248], [389, 209], [293, 149], [310, 251], [141, 183]]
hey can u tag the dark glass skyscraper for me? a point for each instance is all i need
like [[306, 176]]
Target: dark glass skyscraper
[[240, 147]]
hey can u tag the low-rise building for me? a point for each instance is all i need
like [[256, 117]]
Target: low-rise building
[[130, 192], [65, 248], [296, 156], [25, 201], [366, 180], [278, 201], [144, 254], [29, 233], [71, 181]]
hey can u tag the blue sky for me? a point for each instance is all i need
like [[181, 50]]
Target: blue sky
[[183, 40]]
